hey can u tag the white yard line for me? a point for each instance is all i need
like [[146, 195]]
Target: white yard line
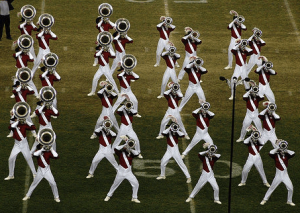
[[192, 2], [292, 19]]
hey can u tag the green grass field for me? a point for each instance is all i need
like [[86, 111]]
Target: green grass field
[[75, 28]]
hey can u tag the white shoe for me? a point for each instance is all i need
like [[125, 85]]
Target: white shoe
[[94, 64], [26, 198], [135, 200], [12, 96], [239, 140], [91, 93], [188, 200], [53, 116], [57, 199], [177, 65], [37, 97], [242, 184], [138, 115], [160, 96], [93, 136], [10, 135], [107, 198], [140, 156], [156, 65], [9, 178], [161, 177], [182, 156], [267, 184], [89, 176], [218, 202], [291, 203], [188, 180], [230, 98], [187, 137], [263, 202], [227, 68], [33, 115], [160, 137], [201, 81]]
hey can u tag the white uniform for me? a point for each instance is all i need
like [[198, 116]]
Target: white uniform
[[255, 45], [207, 175]]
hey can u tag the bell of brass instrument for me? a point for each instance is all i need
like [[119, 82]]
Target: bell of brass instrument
[[198, 61], [255, 135], [255, 89], [107, 124], [257, 33], [172, 50], [240, 19], [195, 34], [272, 107], [21, 110], [50, 60], [130, 144], [168, 21], [104, 39], [25, 42], [122, 25], [46, 21], [269, 65], [174, 127], [46, 137], [23, 75], [105, 10], [129, 62], [205, 106], [47, 94], [28, 12], [244, 43], [109, 87], [212, 149], [128, 105], [175, 87], [282, 144]]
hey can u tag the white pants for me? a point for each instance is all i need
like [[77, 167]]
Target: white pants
[[231, 46], [117, 59], [32, 85], [281, 176], [103, 70], [269, 136], [204, 178], [31, 50], [190, 91], [103, 152], [166, 119], [239, 71], [257, 162], [169, 73], [201, 134], [131, 96], [252, 62], [41, 54], [173, 152], [20, 146], [121, 175], [127, 130], [266, 90], [47, 174], [107, 112], [162, 44], [185, 62], [251, 116]]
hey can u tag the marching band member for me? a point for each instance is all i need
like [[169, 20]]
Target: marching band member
[[49, 76], [170, 57], [173, 95], [202, 116], [127, 111], [120, 41], [195, 70], [264, 72], [208, 159], [126, 153], [21, 91], [105, 135], [190, 41], [43, 38], [172, 134], [255, 43], [241, 51], [103, 60], [106, 95], [236, 27], [43, 158], [125, 78], [252, 99], [254, 144], [19, 128], [269, 119], [281, 156], [164, 28]]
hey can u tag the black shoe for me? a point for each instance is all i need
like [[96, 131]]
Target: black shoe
[[9, 38]]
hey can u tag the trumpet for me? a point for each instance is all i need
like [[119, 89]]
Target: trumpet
[[174, 127], [28, 12], [172, 50], [107, 124], [122, 25], [46, 21], [205, 106], [212, 149], [109, 87], [168, 21], [25, 42], [21, 110], [129, 62], [283, 145], [128, 105], [257, 33], [24, 75], [46, 137], [130, 144], [272, 107], [175, 87], [269, 65], [255, 135], [104, 39], [255, 89], [195, 34], [105, 10], [244, 43], [50, 60], [198, 61], [47, 94], [240, 19]]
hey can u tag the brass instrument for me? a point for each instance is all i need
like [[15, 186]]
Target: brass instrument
[[129, 62], [21, 110], [175, 87], [174, 127], [109, 87], [24, 75], [46, 21], [25, 42], [172, 50], [240, 19], [195, 34], [212, 149], [105, 10], [104, 39], [128, 105], [257, 33], [268, 65], [107, 124], [244, 43], [50, 60], [46, 137], [47, 95], [198, 61], [168, 21], [282, 144], [130, 144], [122, 25], [205, 106], [255, 135], [272, 107], [255, 89], [28, 12]]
